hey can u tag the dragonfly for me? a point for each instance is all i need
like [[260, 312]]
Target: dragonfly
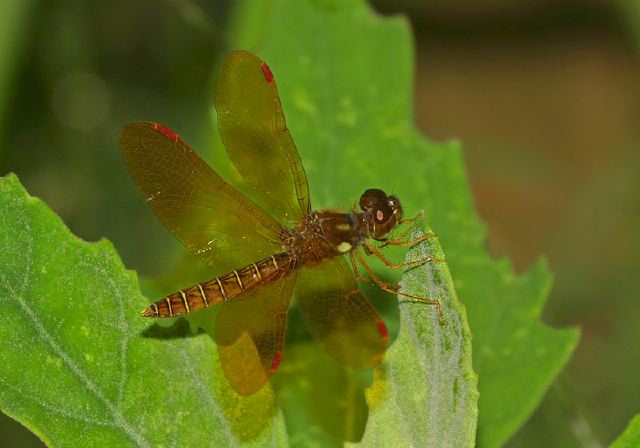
[[271, 248]]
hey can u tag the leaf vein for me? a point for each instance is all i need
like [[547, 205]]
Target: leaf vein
[[206, 394], [48, 339]]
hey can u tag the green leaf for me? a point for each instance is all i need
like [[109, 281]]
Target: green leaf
[[78, 368], [345, 75], [630, 438], [428, 396], [75, 368]]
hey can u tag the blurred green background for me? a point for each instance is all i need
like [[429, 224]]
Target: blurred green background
[[544, 95]]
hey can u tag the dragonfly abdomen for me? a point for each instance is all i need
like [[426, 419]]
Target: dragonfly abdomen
[[221, 289]]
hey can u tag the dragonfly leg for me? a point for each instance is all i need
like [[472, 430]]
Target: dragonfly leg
[[370, 249], [392, 288], [399, 240], [405, 231], [373, 278], [408, 220], [356, 272]]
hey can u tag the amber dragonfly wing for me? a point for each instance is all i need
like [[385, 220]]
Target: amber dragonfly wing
[[210, 217], [255, 134], [250, 334], [339, 316]]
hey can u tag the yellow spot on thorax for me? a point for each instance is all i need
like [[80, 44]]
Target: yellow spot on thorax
[[344, 247]]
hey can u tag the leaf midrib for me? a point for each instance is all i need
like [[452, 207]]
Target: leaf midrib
[[43, 334]]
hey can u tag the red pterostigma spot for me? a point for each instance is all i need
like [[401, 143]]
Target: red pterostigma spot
[[382, 328], [166, 131], [267, 73], [276, 361]]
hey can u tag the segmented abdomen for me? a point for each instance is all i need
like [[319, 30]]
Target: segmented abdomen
[[220, 289]]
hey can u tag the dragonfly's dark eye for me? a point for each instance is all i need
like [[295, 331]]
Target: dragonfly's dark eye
[[382, 214], [372, 199]]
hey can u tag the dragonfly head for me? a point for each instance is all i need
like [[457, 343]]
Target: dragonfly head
[[383, 212]]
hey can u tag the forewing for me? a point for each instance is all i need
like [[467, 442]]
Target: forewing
[[254, 131], [213, 219], [250, 334], [339, 316]]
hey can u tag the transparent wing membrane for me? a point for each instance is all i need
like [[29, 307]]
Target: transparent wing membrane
[[210, 217], [255, 134], [339, 316]]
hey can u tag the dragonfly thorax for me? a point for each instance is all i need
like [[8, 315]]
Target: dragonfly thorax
[[325, 234]]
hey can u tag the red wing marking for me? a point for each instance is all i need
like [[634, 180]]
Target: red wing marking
[[267, 73], [166, 131], [276, 361], [382, 328]]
